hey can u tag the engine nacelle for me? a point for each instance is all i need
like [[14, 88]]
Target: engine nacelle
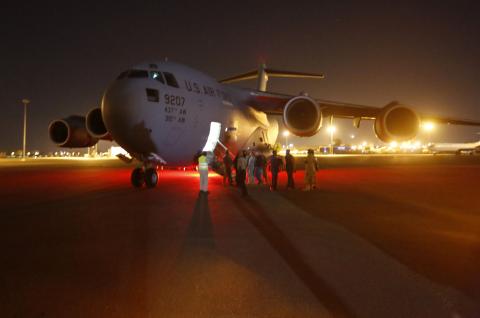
[[95, 125], [302, 116], [71, 132], [396, 122]]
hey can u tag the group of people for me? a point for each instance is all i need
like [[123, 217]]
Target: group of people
[[251, 167], [252, 163]]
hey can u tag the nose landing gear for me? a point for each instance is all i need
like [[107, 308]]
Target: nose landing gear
[[147, 176], [138, 177], [151, 177]]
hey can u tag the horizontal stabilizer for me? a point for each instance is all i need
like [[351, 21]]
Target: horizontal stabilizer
[[290, 74], [240, 77], [263, 73], [271, 73]]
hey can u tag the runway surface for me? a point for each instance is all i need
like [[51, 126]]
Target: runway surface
[[382, 236]]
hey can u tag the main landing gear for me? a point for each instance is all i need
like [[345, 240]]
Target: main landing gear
[[147, 176]]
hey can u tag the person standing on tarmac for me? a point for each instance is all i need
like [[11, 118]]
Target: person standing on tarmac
[[251, 167], [310, 171], [203, 170], [259, 166], [276, 163], [241, 171], [290, 168], [265, 174], [227, 164]]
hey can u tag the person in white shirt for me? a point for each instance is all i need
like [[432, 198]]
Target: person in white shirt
[[251, 168]]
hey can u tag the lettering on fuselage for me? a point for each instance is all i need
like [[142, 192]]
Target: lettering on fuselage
[[197, 88], [174, 108]]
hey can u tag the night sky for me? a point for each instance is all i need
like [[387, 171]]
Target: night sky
[[62, 56]]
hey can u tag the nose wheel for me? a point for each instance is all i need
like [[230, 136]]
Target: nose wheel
[[141, 176], [138, 177], [151, 177]]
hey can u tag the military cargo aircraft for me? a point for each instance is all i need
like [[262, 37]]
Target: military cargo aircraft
[[163, 113]]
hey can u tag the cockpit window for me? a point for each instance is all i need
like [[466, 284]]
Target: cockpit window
[[137, 74], [171, 81], [157, 76]]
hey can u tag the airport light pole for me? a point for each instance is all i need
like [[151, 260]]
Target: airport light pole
[[286, 133], [428, 127], [331, 129], [25, 103]]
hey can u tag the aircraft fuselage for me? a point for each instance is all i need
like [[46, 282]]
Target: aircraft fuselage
[[167, 109]]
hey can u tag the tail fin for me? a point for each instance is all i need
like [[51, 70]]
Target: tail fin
[[263, 73]]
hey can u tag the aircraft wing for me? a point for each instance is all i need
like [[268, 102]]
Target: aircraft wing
[[346, 110], [273, 103], [448, 120], [269, 103]]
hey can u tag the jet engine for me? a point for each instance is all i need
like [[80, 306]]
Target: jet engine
[[71, 132], [95, 125], [302, 116], [396, 122]]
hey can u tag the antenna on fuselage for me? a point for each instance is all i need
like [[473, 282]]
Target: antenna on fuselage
[[263, 73]]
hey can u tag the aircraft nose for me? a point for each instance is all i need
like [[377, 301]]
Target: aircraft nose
[[117, 108], [122, 113]]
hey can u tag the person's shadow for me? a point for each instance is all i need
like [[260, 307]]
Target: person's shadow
[[200, 230]]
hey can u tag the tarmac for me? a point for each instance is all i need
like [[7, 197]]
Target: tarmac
[[381, 236]]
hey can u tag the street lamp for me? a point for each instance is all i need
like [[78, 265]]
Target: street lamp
[[428, 127], [25, 103], [286, 133], [331, 129]]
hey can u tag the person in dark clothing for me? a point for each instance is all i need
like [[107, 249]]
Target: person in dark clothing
[[265, 174], [227, 164], [235, 160], [290, 168], [241, 170], [259, 167], [276, 164]]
